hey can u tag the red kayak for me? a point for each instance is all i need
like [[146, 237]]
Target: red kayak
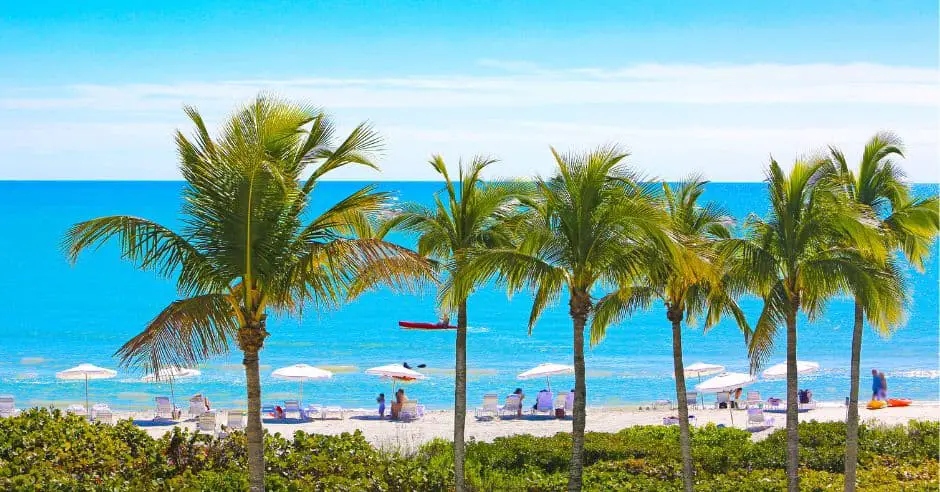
[[415, 325]]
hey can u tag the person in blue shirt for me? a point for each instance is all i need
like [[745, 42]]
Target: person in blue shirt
[[875, 385]]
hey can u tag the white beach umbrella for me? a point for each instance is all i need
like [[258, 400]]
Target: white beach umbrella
[[726, 381], [86, 372], [700, 369], [301, 372], [778, 371], [546, 371], [396, 371], [171, 374]]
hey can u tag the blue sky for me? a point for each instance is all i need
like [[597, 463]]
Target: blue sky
[[93, 90]]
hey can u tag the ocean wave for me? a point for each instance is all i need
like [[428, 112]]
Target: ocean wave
[[917, 373], [477, 329], [32, 361]]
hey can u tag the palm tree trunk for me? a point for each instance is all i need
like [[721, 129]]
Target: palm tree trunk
[[685, 442], [580, 306], [250, 340], [254, 432], [460, 396], [793, 407], [851, 423]]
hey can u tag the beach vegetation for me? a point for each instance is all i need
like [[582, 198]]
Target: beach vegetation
[[908, 224], [40, 450], [249, 242], [468, 215], [692, 280], [810, 247], [582, 232]]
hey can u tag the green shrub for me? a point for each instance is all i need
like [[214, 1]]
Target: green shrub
[[46, 450]]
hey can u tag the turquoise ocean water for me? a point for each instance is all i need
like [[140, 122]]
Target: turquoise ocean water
[[58, 316]]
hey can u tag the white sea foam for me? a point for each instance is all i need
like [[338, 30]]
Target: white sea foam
[[918, 373]]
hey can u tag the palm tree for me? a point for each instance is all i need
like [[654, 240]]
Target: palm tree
[[809, 249], [470, 215], [245, 247], [693, 283], [581, 234], [907, 224]]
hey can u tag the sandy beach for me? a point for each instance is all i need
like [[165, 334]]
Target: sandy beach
[[406, 436]]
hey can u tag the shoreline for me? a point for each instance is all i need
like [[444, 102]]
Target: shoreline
[[408, 436]]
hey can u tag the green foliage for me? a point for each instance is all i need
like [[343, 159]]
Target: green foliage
[[47, 450]]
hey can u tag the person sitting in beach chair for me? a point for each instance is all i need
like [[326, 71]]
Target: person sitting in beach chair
[[400, 400], [543, 402]]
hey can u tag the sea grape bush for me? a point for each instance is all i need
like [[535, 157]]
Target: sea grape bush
[[48, 450]]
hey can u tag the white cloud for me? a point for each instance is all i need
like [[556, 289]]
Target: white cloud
[[723, 120]]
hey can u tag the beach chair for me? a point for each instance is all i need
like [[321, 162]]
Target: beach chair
[[674, 420], [753, 400], [293, 406], [661, 404], [775, 404], [544, 403], [76, 409], [7, 406], [691, 399], [235, 419], [197, 406], [165, 408], [490, 408], [314, 410], [560, 401], [102, 413], [723, 398], [206, 423], [511, 407], [756, 421], [338, 410], [409, 410]]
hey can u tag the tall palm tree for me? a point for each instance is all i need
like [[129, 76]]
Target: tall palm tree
[[692, 283], [468, 215], [907, 224], [581, 234], [810, 248], [245, 247]]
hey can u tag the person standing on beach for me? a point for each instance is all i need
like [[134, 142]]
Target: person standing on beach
[[884, 386], [875, 385]]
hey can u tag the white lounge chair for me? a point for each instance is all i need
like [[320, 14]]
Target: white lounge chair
[[235, 419], [661, 404], [314, 410], [756, 421], [293, 406], [76, 409], [7, 406], [206, 423], [723, 397], [544, 403], [338, 410], [490, 408], [512, 406], [753, 400], [691, 399], [409, 410], [102, 413], [165, 408], [674, 420], [197, 405]]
